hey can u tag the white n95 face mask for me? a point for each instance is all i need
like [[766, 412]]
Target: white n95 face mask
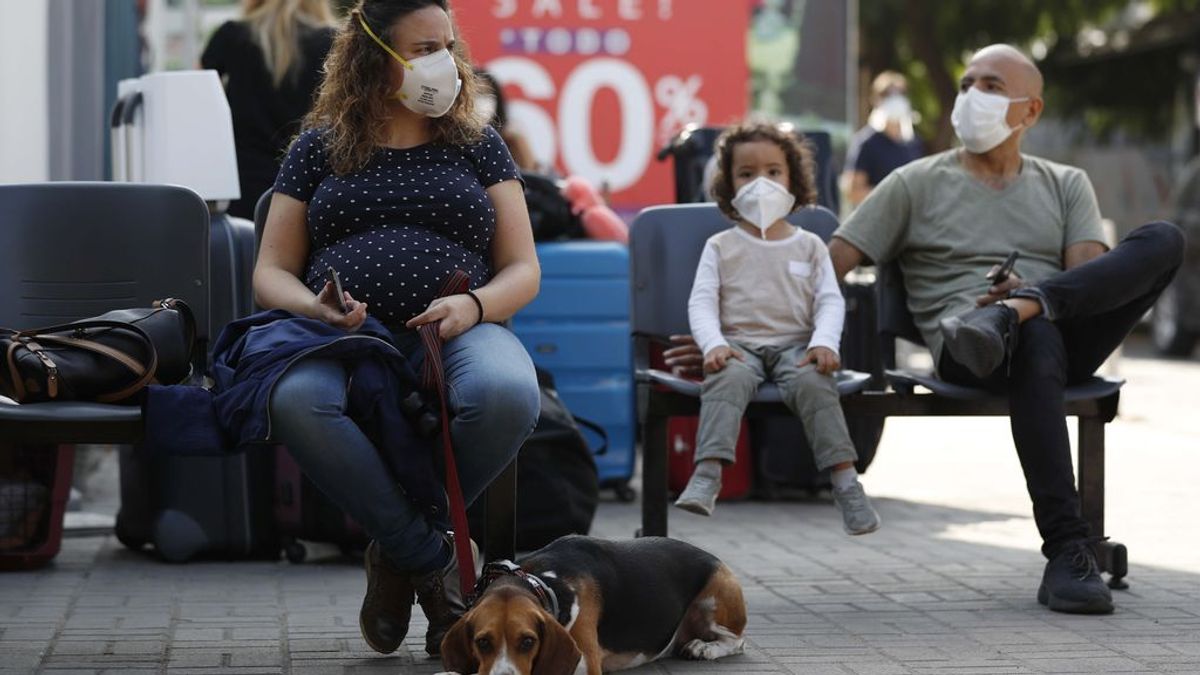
[[979, 119], [431, 82], [762, 202]]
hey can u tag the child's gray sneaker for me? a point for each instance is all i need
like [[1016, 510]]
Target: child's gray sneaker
[[700, 495], [858, 516]]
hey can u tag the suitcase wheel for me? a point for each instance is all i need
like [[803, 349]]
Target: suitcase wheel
[[127, 538], [295, 552]]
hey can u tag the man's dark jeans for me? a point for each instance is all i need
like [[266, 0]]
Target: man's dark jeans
[[1088, 312]]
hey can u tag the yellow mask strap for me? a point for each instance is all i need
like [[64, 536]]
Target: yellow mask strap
[[383, 44]]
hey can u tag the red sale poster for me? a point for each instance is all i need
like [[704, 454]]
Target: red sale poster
[[598, 86]]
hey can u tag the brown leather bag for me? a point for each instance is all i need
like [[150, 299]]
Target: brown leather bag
[[107, 359]]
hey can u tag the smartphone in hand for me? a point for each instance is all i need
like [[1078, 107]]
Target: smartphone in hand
[[1001, 275], [332, 276]]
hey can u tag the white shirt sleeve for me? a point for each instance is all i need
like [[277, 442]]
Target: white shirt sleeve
[[704, 304], [829, 310]]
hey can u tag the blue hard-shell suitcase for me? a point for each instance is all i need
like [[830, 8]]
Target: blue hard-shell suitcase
[[578, 329]]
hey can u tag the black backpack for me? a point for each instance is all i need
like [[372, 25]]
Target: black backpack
[[557, 484], [549, 211]]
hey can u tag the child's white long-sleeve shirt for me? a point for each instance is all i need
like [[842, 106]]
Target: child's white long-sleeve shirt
[[775, 293]]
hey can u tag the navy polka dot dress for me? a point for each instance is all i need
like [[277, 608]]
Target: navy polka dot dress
[[395, 230]]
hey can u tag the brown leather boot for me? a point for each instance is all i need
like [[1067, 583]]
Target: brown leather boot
[[387, 606], [441, 598]]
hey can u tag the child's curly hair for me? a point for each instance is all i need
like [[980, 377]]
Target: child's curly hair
[[801, 168]]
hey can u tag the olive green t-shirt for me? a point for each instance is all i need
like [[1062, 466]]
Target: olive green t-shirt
[[947, 229]]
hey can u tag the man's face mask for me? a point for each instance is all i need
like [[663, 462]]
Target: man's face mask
[[762, 202], [431, 83], [979, 119]]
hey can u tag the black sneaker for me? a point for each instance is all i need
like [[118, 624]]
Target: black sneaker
[[387, 605], [1072, 582], [980, 339]]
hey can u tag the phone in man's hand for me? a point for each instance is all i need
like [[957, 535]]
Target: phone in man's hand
[[332, 275], [1001, 275]]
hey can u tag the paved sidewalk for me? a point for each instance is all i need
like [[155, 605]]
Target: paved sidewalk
[[907, 599], [947, 586]]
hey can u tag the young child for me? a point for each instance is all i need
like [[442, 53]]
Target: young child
[[765, 305]]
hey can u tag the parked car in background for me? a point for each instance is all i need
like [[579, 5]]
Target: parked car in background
[[1175, 322]]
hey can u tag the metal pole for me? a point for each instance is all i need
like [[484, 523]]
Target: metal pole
[[191, 33], [851, 64]]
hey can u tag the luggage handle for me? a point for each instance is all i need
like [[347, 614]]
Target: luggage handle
[[114, 120], [131, 106], [122, 115]]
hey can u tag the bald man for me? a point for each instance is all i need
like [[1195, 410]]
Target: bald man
[[949, 220]]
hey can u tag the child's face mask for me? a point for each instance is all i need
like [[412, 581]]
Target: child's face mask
[[762, 202], [431, 83]]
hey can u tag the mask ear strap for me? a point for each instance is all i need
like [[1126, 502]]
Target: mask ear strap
[[1023, 99], [380, 42]]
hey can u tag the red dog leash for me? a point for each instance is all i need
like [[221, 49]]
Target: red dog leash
[[433, 376]]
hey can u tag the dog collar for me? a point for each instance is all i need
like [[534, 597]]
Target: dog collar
[[507, 568]]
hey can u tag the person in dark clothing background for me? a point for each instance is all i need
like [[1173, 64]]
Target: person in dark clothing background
[[270, 61], [886, 143]]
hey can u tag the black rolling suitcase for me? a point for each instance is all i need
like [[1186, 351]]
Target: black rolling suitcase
[[217, 506], [782, 457], [231, 271], [198, 507]]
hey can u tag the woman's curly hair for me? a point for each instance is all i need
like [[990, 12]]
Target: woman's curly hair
[[352, 103], [801, 168]]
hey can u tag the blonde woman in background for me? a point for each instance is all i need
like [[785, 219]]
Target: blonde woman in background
[[270, 61]]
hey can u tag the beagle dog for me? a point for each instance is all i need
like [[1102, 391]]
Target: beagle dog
[[586, 606]]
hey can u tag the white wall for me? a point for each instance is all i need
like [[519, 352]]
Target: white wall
[[24, 140]]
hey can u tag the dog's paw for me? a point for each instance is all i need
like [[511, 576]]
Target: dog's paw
[[700, 650]]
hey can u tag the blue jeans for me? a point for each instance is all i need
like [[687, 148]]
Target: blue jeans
[[493, 394]]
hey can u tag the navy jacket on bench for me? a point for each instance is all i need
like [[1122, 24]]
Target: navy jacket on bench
[[251, 355]]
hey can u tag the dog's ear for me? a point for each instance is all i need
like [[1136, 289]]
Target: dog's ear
[[458, 654], [558, 654]]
